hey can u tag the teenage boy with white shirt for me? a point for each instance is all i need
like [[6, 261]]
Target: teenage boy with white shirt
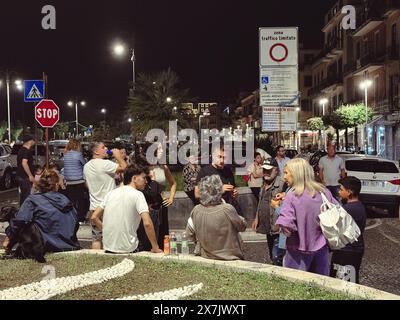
[[99, 175], [122, 210]]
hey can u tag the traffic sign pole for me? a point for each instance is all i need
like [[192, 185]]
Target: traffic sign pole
[[47, 129]]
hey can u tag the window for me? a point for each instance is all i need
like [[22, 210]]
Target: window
[[394, 36], [307, 81], [372, 166]]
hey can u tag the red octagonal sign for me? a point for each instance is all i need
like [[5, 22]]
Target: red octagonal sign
[[47, 113]]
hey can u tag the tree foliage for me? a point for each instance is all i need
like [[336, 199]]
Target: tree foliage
[[353, 115], [149, 107], [315, 124]]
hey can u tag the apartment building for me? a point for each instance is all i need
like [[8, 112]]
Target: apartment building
[[373, 54]]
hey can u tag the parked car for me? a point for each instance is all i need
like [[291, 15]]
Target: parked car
[[5, 166], [380, 180]]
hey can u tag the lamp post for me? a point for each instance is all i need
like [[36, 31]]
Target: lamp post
[[364, 86], [71, 104], [296, 143], [19, 86], [104, 111], [323, 102], [119, 50]]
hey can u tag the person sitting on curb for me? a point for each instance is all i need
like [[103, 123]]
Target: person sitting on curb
[[122, 210], [215, 225], [46, 222]]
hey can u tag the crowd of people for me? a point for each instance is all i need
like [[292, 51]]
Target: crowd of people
[[124, 201]]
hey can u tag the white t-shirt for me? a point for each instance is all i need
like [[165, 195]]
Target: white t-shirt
[[255, 182], [121, 219], [332, 169], [99, 175]]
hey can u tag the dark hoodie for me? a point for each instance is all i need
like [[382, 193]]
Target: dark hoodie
[[54, 215]]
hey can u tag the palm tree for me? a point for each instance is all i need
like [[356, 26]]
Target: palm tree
[[156, 101]]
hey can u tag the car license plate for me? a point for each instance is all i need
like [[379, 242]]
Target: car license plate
[[373, 184]]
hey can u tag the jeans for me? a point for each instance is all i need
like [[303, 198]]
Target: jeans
[[25, 187], [277, 253]]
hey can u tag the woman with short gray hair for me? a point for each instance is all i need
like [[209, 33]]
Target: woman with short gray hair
[[215, 225]]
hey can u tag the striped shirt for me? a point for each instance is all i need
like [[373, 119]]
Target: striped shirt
[[73, 166]]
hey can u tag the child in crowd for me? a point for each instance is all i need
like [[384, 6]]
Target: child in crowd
[[346, 262]]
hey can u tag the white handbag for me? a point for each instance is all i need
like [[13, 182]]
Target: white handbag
[[338, 227]]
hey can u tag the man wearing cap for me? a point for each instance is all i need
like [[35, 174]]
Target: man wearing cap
[[25, 177], [264, 221]]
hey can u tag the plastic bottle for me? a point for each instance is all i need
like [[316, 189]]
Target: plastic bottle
[[185, 244], [166, 245], [173, 244]]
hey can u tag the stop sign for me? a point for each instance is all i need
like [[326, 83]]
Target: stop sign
[[47, 113]]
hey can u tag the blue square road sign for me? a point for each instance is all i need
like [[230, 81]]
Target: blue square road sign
[[33, 90]]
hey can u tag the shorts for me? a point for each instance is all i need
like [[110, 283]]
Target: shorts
[[97, 235]]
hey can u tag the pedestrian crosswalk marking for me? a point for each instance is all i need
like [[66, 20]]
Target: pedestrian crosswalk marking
[[34, 93]]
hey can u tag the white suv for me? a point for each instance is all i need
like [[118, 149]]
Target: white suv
[[380, 180], [5, 166]]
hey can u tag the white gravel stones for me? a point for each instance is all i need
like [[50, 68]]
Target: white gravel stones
[[46, 289], [174, 294]]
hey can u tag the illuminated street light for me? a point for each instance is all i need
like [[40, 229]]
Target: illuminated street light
[[71, 104], [169, 99], [364, 85], [119, 50]]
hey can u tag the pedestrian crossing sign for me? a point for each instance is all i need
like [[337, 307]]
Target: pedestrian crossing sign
[[34, 90]]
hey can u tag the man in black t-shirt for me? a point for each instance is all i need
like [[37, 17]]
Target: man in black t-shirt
[[346, 262], [224, 172], [25, 177]]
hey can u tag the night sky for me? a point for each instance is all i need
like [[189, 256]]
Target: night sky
[[211, 44]]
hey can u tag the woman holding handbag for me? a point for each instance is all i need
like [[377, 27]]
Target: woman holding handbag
[[306, 246]]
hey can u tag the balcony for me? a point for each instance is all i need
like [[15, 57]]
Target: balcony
[[370, 62], [382, 107], [326, 85], [331, 50], [373, 17]]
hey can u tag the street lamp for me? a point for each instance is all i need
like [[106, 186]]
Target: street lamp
[[104, 111], [20, 87], [364, 85], [71, 104], [169, 99], [323, 102], [119, 50]]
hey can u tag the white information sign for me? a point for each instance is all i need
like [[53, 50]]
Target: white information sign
[[279, 119], [278, 46], [279, 86]]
